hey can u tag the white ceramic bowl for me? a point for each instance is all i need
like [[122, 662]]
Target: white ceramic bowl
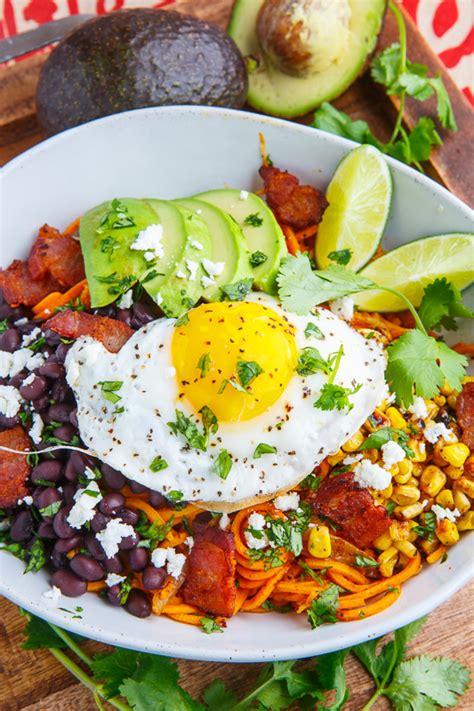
[[171, 152]]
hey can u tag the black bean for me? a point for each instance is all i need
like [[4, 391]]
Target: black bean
[[49, 470], [136, 487], [153, 578], [41, 403], [157, 500], [70, 471], [99, 522], [125, 315], [52, 338], [94, 547], [22, 526], [10, 340], [113, 595], [64, 545], [138, 558], [62, 351], [52, 370], [112, 503], [34, 389], [46, 530], [59, 391], [109, 311], [69, 584], [68, 493], [6, 311], [8, 422], [60, 413], [61, 527], [138, 604], [142, 314], [86, 568], [112, 478], [128, 516], [129, 542], [73, 418], [113, 565], [58, 560], [65, 432], [47, 497]]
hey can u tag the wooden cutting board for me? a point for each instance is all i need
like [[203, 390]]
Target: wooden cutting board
[[33, 680]]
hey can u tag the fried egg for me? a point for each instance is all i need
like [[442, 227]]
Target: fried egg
[[141, 410]]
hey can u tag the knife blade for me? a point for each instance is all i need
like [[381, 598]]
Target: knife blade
[[48, 33]]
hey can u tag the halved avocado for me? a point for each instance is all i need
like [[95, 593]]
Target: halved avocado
[[282, 94], [261, 231], [182, 287], [228, 245], [106, 234]]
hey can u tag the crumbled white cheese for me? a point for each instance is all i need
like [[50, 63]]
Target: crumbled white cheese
[[180, 274], [287, 502], [197, 245], [224, 521], [27, 500], [149, 256], [207, 281], [243, 195], [175, 563], [89, 474], [436, 430], [158, 557], [213, 268], [37, 428], [189, 542], [440, 512], [343, 307], [126, 300], [257, 522], [387, 397], [352, 459], [30, 379], [192, 268], [114, 579], [52, 595], [158, 299], [424, 503], [83, 509], [392, 453], [371, 475], [12, 363], [29, 338], [149, 240], [10, 400], [114, 532], [20, 322], [418, 407], [199, 211]]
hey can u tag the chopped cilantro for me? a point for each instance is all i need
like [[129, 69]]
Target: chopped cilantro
[[311, 361], [51, 509], [116, 218], [174, 495], [209, 625], [182, 320], [158, 464], [248, 370], [387, 434], [263, 448], [118, 285], [237, 291], [311, 482], [257, 258], [186, 427], [222, 464], [108, 245], [324, 607], [362, 561], [341, 256], [426, 529], [109, 390], [4, 325], [230, 381], [204, 363], [312, 331], [254, 220]]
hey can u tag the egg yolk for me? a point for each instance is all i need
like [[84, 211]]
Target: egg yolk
[[235, 357]]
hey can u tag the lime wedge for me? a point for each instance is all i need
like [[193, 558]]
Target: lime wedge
[[359, 197], [414, 265]]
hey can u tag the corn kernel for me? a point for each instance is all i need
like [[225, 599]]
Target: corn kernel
[[428, 546], [447, 532], [405, 467], [432, 408], [399, 530], [384, 541], [417, 470], [396, 418], [386, 493], [454, 472], [409, 512], [336, 458], [445, 498], [440, 400], [447, 390], [455, 454], [419, 449], [405, 495], [353, 444], [452, 400], [461, 502], [468, 379], [403, 478], [437, 460], [466, 485], [412, 536], [406, 548], [386, 569], [432, 480], [466, 522], [319, 542], [390, 554], [373, 455]]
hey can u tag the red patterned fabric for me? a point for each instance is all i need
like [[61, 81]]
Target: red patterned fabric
[[446, 24]]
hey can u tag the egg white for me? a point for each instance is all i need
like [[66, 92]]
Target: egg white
[[303, 435]]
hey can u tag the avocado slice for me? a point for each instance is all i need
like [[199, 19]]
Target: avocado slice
[[182, 287], [261, 230], [107, 232], [281, 94], [136, 58], [228, 245]]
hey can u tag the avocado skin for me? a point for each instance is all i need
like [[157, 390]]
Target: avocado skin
[[136, 58]]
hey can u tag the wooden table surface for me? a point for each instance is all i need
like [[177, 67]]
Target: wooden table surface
[[33, 680]]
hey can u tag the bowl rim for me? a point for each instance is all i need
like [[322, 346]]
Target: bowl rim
[[356, 634]]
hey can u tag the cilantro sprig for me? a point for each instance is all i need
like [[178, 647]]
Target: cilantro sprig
[[401, 78], [441, 305]]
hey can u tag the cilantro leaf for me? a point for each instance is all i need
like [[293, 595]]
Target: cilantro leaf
[[209, 625], [420, 365], [35, 555], [425, 682], [40, 635], [263, 448], [254, 220], [362, 561], [257, 258], [185, 426], [427, 527], [331, 675], [209, 421], [311, 361], [341, 256], [230, 381], [109, 390], [152, 533], [444, 108], [441, 304], [223, 464], [387, 434], [204, 363], [237, 291], [323, 608], [218, 697], [328, 118], [312, 331], [248, 370], [158, 464], [334, 397]]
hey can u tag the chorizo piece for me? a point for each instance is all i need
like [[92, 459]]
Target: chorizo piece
[[19, 287], [465, 413], [56, 254], [73, 324], [295, 205], [14, 469], [210, 575]]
